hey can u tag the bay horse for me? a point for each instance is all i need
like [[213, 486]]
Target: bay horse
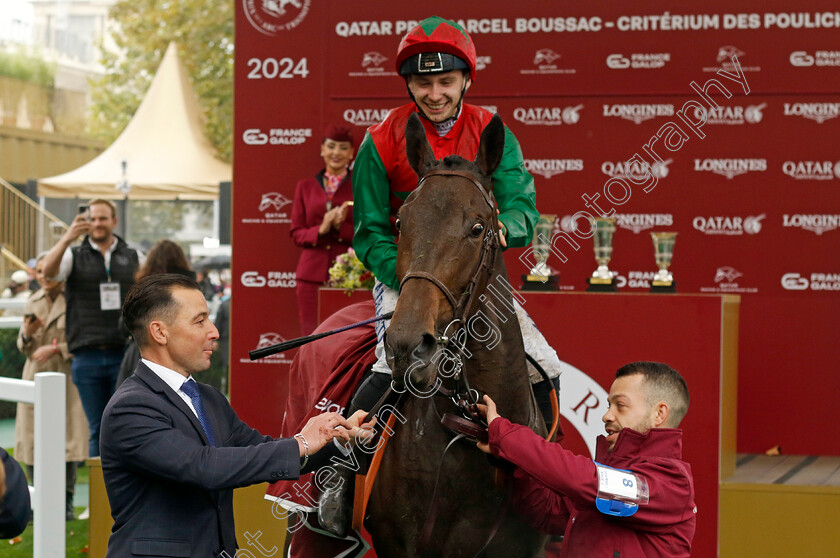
[[448, 253]]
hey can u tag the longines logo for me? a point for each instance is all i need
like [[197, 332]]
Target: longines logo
[[638, 222], [636, 171], [547, 116], [812, 170], [816, 282], [638, 113], [816, 224], [269, 17], [818, 112], [730, 168], [551, 167], [365, 117], [276, 136], [728, 226]]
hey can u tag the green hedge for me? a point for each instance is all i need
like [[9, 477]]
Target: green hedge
[[31, 69]]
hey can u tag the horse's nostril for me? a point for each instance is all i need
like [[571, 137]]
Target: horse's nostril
[[426, 348]]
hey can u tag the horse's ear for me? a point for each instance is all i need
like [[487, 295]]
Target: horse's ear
[[417, 148], [492, 146]]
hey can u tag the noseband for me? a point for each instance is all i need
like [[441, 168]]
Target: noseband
[[464, 305]]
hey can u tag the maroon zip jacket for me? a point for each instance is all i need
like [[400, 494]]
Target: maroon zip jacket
[[555, 491], [310, 205]]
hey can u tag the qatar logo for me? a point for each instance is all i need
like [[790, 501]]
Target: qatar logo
[[270, 17], [725, 53], [273, 200], [547, 116], [635, 170], [728, 226], [812, 170], [545, 56], [373, 59], [365, 117]]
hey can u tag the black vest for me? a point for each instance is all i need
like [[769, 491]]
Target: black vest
[[87, 325]]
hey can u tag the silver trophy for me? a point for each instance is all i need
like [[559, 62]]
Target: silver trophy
[[603, 229], [541, 276], [663, 247]]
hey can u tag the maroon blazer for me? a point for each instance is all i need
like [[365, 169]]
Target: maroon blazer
[[310, 205]]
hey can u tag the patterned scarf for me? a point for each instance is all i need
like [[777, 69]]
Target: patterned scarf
[[332, 183]]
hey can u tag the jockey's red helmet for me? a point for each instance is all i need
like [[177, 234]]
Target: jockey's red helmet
[[436, 45]]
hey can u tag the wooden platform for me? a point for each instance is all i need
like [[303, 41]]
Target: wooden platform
[[786, 505], [790, 470]]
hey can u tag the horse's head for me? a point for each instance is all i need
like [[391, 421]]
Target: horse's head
[[446, 251]]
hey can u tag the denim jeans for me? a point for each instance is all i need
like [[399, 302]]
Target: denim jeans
[[95, 374]]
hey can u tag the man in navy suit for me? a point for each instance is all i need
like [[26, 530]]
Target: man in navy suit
[[174, 450]]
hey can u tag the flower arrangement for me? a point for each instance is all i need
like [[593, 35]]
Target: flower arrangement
[[349, 273]]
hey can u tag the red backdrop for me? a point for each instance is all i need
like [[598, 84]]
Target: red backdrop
[[756, 202]]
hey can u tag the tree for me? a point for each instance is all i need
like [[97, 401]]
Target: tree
[[140, 31]]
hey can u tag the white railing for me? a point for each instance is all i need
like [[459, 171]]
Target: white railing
[[11, 322], [48, 393]]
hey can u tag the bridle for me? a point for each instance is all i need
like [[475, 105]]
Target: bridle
[[463, 307], [466, 304]]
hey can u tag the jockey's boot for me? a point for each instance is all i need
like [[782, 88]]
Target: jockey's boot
[[542, 392], [335, 506]]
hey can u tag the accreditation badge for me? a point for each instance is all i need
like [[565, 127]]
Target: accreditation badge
[[109, 296]]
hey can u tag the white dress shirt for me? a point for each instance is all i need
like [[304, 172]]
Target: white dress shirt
[[173, 379]]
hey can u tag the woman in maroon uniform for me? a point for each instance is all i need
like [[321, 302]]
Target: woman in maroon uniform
[[322, 221]]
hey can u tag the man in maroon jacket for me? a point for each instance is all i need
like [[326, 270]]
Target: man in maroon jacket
[[636, 499]]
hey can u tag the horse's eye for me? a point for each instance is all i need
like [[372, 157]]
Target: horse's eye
[[397, 224], [477, 229]]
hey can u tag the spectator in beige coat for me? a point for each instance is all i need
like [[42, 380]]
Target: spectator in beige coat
[[43, 342]]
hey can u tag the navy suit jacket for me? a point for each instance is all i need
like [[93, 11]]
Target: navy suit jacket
[[171, 493]]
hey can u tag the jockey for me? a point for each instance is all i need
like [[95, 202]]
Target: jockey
[[437, 59]]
